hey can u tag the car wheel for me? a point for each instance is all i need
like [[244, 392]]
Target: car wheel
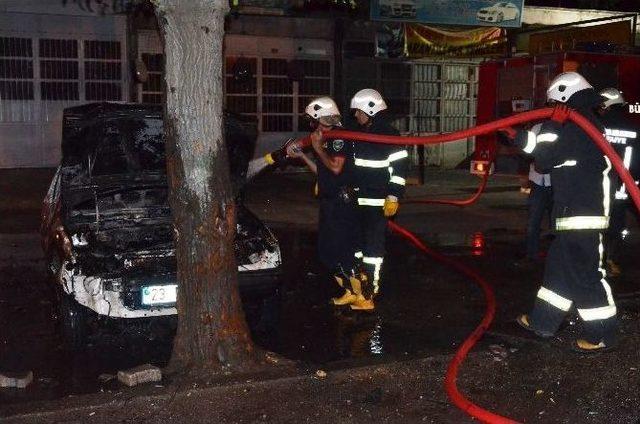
[[73, 322]]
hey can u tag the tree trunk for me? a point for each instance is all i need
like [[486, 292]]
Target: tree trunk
[[212, 331]]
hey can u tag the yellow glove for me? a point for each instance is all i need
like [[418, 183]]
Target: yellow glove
[[390, 207], [269, 159]]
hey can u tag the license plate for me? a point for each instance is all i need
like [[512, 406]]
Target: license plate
[[154, 295]]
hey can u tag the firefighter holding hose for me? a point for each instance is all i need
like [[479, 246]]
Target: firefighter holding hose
[[623, 137], [379, 172], [337, 229], [574, 276]]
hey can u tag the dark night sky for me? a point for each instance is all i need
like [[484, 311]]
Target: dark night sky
[[621, 5]]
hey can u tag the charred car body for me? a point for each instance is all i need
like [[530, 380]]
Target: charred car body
[[107, 229]]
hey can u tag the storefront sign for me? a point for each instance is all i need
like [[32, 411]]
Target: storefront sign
[[450, 12]]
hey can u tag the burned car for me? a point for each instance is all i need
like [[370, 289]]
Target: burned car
[[107, 229]]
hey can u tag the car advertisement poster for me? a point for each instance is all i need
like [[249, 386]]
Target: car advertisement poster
[[450, 12]]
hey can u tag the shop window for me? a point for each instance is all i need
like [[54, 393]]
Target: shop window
[[102, 70], [241, 85], [59, 69], [16, 68], [153, 88]]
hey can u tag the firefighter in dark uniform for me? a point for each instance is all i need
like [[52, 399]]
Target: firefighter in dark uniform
[[623, 138], [380, 171], [574, 276], [337, 229]]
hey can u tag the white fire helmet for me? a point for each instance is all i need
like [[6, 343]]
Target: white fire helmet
[[566, 85], [322, 107], [369, 101], [612, 96]]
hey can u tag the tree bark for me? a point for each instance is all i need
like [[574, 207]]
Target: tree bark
[[212, 331]]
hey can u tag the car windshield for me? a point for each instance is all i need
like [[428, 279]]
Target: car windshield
[[128, 146]]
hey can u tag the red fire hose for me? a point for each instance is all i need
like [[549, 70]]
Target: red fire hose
[[535, 115], [490, 311], [464, 202]]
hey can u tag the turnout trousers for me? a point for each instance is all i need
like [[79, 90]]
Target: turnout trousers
[[373, 225], [338, 237], [574, 278], [613, 241], [539, 204]]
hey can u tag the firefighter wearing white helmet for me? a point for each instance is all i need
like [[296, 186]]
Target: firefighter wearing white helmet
[[380, 172], [623, 136], [324, 110], [573, 276], [338, 239], [369, 101], [612, 96], [321, 110], [566, 85]]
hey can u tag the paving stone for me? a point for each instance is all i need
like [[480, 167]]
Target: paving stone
[[146, 373], [18, 380]]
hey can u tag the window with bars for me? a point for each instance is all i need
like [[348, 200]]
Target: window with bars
[[282, 100], [16, 69], [315, 83], [277, 96], [392, 79], [59, 75], [444, 96], [152, 89], [241, 85], [102, 70]]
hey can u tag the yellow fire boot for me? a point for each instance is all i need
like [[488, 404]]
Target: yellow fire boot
[[360, 303], [585, 346], [347, 298]]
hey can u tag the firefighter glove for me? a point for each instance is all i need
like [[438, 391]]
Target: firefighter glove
[[390, 207]]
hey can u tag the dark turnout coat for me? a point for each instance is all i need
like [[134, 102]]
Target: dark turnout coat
[[380, 169], [579, 170]]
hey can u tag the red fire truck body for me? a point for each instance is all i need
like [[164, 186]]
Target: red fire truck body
[[517, 84]]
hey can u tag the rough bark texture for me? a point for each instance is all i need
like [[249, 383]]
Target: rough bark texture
[[212, 332]]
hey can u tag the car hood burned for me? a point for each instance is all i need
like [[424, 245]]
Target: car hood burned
[[114, 183]]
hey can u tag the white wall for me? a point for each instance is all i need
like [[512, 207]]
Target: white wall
[[30, 130], [54, 7], [533, 15]]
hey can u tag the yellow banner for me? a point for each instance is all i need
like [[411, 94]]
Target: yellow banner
[[423, 40]]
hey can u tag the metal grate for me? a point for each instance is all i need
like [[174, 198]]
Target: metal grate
[[241, 92], [316, 83], [103, 73], [272, 90], [16, 69], [153, 88], [392, 79], [58, 69], [277, 98]]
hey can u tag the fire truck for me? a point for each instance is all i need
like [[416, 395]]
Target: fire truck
[[513, 85]]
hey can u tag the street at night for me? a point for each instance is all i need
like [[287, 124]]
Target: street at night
[[319, 211], [388, 364]]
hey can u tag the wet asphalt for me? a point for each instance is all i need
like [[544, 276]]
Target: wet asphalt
[[425, 308]]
